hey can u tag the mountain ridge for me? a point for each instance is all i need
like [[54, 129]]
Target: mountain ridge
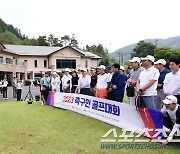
[[171, 42]]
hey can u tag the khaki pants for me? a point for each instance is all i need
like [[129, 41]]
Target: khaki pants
[[158, 101]]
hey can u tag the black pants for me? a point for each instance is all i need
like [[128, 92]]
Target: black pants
[[168, 123], [73, 89], [19, 91], [117, 97], [178, 98], [1, 90], [4, 92], [85, 91]]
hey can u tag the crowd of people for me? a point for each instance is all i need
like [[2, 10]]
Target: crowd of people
[[148, 83]]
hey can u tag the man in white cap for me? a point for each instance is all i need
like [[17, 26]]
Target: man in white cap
[[84, 83], [66, 81], [147, 83], [103, 81], [171, 112], [133, 78], [160, 65]]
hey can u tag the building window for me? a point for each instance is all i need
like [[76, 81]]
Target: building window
[[61, 63], [86, 64], [8, 61], [35, 63], [45, 63], [1, 60]]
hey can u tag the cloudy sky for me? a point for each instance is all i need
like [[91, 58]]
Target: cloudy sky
[[113, 23]]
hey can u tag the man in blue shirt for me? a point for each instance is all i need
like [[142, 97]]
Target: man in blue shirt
[[160, 65], [117, 85], [46, 81]]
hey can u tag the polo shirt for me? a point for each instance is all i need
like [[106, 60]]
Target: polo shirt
[[102, 81], [46, 81], [134, 75], [172, 83], [66, 80], [84, 82], [93, 80], [162, 77], [145, 76]]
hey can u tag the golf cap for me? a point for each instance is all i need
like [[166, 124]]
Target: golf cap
[[122, 68], [102, 66], [161, 61], [148, 57], [170, 99], [67, 70], [54, 70], [135, 59], [84, 70], [54, 73]]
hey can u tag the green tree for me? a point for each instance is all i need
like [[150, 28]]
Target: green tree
[[65, 40], [73, 42], [143, 49], [105, 61], [42, 41], [166, 53]]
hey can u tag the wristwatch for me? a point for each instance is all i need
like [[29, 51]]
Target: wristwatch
[[140, 90]]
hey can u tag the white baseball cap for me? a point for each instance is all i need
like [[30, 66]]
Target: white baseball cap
[[79, 68], [67, 70], [135, 59], [148, 57], [54, 73], [170, 99], [54, 70], [84, 69], [160, 61], [102, 66], [122, 68]]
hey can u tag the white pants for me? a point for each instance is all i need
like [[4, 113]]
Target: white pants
[[132, 100]]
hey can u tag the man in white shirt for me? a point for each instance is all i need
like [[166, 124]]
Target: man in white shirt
[[147, 83], [172, 80], [171, 112], [66, 81], [103, 81], [84, 83]]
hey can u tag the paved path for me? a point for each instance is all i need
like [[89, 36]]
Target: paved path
[[34, 90]]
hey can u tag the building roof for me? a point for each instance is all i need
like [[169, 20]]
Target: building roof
[[25, 50], [91, 55]]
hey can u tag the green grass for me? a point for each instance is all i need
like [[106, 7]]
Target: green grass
[[40, 129]]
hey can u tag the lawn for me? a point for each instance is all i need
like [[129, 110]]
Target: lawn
[[40, 129]]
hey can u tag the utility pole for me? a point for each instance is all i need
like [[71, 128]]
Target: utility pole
[[119, 55]]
